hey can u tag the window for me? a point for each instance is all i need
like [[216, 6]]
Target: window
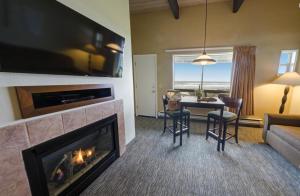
[[187, 76], [288, 60]]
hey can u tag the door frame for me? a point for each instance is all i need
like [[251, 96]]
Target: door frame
[[134, 82]]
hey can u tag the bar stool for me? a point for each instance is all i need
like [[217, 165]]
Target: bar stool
[[228, 117], [175, 116]]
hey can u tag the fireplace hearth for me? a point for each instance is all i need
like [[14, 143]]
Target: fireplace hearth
[[66, 165]]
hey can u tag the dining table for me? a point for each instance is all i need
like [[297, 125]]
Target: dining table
[[193, 102]]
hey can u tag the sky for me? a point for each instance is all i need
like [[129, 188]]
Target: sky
[[220, 72], [284, 58]]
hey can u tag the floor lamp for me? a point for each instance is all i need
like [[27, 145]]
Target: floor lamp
[[289, 79]]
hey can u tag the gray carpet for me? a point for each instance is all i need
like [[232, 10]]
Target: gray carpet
[[152, 165]]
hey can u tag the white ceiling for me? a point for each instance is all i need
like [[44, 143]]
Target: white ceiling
[[149, 5]]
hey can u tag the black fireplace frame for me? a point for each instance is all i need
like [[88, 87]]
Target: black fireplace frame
[[33, 158]]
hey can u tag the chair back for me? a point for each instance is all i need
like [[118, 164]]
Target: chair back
[[234, 104], [165, 102]]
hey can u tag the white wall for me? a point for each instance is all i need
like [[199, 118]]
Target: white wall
[[113, 14]]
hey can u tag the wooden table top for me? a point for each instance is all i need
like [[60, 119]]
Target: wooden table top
[[191, 101]]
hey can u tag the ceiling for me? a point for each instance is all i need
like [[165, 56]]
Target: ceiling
[[150, 5]]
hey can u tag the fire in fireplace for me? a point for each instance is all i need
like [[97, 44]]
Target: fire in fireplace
[[69, 163]]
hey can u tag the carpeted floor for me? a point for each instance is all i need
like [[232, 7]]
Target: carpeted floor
[[152, 165]]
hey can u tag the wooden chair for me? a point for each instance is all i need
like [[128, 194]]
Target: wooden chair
[[228, 117], [175, 115]]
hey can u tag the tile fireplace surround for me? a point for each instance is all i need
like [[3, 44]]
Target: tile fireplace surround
[[26, 133]]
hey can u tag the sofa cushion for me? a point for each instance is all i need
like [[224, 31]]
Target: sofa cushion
[[288, 133]]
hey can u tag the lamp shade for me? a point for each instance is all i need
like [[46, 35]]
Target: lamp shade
[[204, 59], [115, 48], [289, 78]]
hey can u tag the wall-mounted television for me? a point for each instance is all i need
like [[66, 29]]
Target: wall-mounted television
[[46, 37]]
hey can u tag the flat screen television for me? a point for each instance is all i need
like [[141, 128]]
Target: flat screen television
[[46, 37]]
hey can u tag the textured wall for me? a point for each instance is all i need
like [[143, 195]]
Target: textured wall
[[270, 25]]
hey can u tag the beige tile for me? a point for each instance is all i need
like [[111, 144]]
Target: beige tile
[[118, 106], [44, 129], [13, 178], [93, 114], [74, 120], [121, 132], [107, 109], [14, 136]]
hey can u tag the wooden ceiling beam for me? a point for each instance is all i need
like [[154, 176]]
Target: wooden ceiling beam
[[237, 5], [174, 8]]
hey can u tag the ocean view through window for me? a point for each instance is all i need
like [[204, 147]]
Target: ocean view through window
[[187, 76]]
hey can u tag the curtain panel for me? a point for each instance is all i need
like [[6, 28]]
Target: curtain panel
[[243, 77]]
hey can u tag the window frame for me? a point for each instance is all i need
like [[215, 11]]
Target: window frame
[[291, 66], [215, 52]]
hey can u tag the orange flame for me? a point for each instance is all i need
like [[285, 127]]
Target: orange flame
[[89, 153], [78, 158], [80, 155]]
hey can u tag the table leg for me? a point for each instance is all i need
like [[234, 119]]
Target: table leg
[[220, 128], [181, 116]]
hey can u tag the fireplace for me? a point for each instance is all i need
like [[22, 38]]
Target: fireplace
[[69, 163]]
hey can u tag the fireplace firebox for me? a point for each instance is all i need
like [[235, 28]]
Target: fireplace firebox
[[66, 165]]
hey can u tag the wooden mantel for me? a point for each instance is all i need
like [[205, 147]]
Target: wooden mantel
[[60, 97]]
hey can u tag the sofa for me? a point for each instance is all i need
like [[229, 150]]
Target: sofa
[[282, 132]]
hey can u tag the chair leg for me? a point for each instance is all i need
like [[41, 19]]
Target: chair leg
[[237, 131], [188, 125], [215, 122], [174, 130], [207, 126], [165, 123], [220, 131], [224, 136]]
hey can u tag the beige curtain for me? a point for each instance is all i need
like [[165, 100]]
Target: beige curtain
[[243, 77]]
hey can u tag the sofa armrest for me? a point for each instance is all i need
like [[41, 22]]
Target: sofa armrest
[[279, 119]]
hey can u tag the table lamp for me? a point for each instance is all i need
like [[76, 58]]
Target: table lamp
[[289, 79]]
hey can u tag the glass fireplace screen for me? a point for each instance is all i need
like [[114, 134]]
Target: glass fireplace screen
[[69, 163]]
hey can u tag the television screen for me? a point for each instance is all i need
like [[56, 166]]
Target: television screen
[[44, 36]]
